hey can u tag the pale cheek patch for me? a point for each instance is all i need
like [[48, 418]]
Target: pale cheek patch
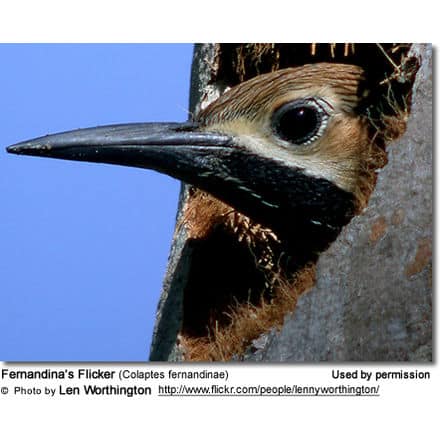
[[336, 156], [339, 167]]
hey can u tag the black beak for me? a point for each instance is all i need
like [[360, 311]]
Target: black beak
[[264, 189], [179, 150]]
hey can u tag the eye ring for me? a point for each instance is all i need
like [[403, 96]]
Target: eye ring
[[302, 121]]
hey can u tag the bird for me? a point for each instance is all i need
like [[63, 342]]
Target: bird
[[278, 165]]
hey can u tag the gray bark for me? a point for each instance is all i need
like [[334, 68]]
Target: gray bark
[[372, 300]]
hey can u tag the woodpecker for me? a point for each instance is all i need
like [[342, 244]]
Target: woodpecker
[[286, 150]]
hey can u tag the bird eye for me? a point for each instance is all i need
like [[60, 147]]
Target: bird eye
[[300, 122]]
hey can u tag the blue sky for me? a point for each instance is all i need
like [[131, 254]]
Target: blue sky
[[84, 246]]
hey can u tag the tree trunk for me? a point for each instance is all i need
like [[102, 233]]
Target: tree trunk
[[372, 297]]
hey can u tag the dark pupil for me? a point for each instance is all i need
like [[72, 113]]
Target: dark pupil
[[298, 124]]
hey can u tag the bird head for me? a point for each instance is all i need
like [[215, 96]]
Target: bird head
[[284, 148]]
